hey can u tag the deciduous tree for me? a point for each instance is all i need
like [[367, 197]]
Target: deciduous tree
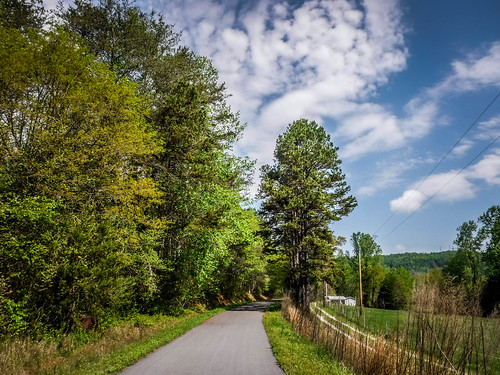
[[490, 234], [396, 289], [372, 272], [73, 142]]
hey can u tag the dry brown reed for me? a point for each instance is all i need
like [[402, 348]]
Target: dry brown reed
[[26, 356], [442, 334]]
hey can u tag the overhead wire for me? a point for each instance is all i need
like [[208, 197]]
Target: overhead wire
[[435, 167], [442, 187]]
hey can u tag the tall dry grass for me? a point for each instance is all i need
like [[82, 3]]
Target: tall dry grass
[[443, 333], [61, 355]]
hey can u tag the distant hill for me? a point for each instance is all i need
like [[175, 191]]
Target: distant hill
[[418, 262]]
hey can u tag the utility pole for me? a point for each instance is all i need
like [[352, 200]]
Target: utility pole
[[325, 292], [360, 284]]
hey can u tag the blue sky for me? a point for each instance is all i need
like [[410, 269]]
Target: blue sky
[[395, 84]]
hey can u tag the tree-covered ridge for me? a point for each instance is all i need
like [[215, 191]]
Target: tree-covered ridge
[[418, 262]]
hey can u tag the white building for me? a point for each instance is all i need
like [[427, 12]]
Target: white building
[[341, 300]]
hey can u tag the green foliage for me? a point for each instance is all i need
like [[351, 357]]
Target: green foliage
[[58, 266], [26, 258], [418, 262], [490, 233], [72, 191], [207, 235], [347, 284], [464, 266], [22, 14], [372, 272], [296, 354], [244, 270], [276, 269], [476, 263], [396, 291], [303, 192], [76, 139], [118, 189], [201, 184]]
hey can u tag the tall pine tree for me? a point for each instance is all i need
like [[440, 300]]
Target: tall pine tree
[[303, 192]]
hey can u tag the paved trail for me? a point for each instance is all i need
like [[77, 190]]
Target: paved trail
[[230, 343]]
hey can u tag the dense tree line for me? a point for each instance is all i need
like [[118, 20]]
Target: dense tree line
[[472, 270], [418, 262], [476, 264], [381, 286], [118, 188]]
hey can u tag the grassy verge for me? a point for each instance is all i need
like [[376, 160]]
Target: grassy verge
[[295, 354], [108, 352]]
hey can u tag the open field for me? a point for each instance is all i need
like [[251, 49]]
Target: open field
[[374, 321], [467, 342]]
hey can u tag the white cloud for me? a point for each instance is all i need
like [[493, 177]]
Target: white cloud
[[410, 201], [451, 186], [322, 60], [282, 63], [387, 174], [476, 71], [489, 129], [462, 148], [488, 169], [372, 128]]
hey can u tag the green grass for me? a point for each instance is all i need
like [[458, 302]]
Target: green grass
[[295, 354], [129, 354], [386, 323], [375, 321], [106, 352]]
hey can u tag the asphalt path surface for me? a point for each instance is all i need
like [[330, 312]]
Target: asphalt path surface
[[231, 343]]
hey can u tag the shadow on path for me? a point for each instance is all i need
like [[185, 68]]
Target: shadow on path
[[255, 306], [226, 344]]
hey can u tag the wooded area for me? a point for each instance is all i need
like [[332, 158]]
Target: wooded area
[[418, 262], [119, 190]]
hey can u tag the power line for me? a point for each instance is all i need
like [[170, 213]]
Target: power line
[[437, 165], [442, 187]]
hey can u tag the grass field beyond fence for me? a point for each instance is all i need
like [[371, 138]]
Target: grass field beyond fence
[[458, 342], [375, 321]]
